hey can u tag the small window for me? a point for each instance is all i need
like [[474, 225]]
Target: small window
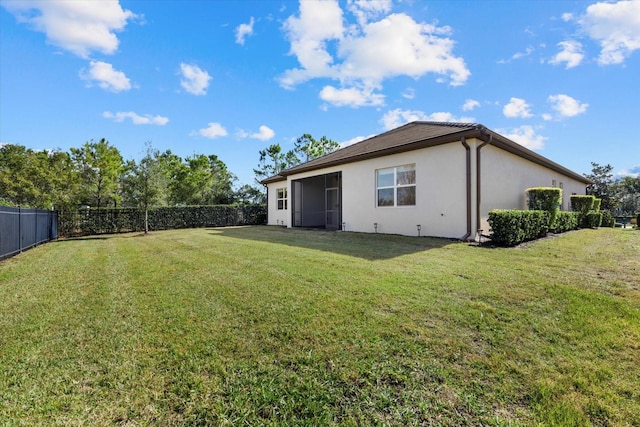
[[396, 186], [553, 183], [282, 198]]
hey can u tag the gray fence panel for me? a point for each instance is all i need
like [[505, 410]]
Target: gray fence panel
[[9, 231], [21, 229]]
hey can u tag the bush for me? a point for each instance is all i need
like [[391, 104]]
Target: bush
[[596, 205], [582, 204], [592, 220], [511, 227], [545, 199], [607, 219], [121, 220], [565, 221]]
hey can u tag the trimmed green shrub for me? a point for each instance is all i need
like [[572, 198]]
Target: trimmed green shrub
[[596, 205], [607, 219], [582, 204], [85, 222], [565, 221], [545, 199], [592, 220], [511, 227]]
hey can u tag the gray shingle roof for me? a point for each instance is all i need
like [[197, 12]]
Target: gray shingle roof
[[417, 135]]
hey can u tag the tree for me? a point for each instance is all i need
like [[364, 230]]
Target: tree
[[602, 186], [36, 178], [626, 193], [202, 180], [308, 148], [272, 161], [100, 165], [248, 194], [144, 183]]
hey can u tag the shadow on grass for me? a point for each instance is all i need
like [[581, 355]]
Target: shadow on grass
[[101, 237], [361, 245]]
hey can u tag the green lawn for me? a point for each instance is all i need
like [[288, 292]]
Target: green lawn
[[267, 326]]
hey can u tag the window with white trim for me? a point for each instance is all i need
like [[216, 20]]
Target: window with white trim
[[396, 186], [282, 198]]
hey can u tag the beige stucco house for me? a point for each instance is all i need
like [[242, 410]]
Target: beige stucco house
[[423, 178]]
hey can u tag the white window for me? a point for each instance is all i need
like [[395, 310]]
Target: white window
[[396, 186], [282, 198]]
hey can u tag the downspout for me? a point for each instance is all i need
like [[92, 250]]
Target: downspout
[[266, 198], [468, 186], [478, 176]]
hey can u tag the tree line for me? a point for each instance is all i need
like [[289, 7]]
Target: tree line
[[620, 196], [96, 175]]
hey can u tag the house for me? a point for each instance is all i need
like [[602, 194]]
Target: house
[[423, 178]]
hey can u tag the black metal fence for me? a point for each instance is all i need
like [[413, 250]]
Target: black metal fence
[[21, 229]]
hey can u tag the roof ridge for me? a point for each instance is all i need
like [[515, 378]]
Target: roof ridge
[[450, 124]]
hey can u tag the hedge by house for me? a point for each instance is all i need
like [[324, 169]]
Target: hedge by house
[[588, 210], [565, 221], [582, 204], [84, 222], [607, 219], [511, 227], [545, 199]]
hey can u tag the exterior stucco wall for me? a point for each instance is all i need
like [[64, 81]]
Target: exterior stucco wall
[[274, 215], [505, 178], [440, 194]]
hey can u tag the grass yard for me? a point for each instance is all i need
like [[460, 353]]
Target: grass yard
[[267, 326]]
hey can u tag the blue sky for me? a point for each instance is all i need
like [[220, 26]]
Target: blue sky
[[231, 77]]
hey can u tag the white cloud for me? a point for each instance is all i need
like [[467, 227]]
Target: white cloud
[[565, 106], [633, 172], [105, 76], [518, 55], [264, 133], [194, 80], [361, 56], [571, 54], [351, 97], [395, 118], [136, 119], [244, 30], [213, 130], [364, 10], [77, 26], [526, 136], [517, 107], [566, 17], [470, 104], [318, 23], [354, 140], [616, 26], [409, 93], [397, 45]]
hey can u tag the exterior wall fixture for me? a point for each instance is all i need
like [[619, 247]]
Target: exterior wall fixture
[[344, 226], [375, 226], [419, 228]]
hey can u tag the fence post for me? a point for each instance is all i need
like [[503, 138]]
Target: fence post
[[20, 228]]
